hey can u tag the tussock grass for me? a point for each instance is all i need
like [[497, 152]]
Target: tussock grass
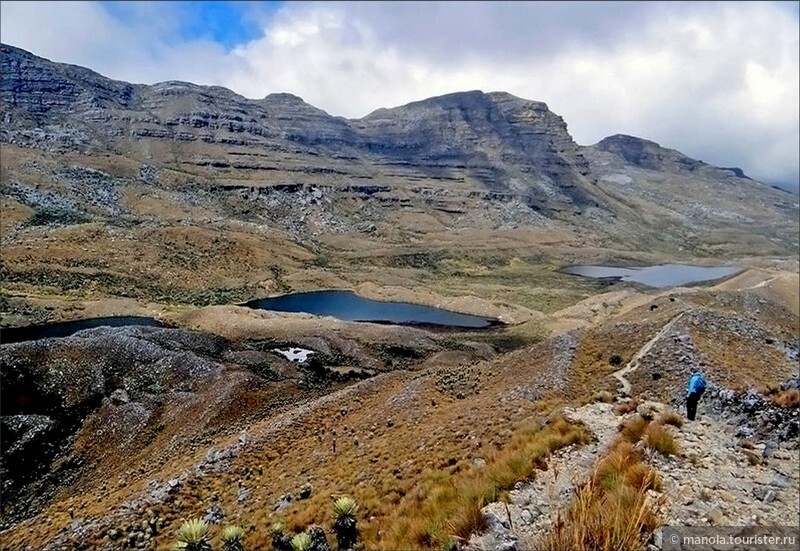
[[610, 511], [623, 465], [659, 439], [670, 418], [746, 443], [633, 429], [626, 407], [753, 457], [447, 507]]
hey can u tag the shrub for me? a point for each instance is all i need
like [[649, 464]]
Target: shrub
[[660, 440], [193, 536], [301, 542], [633, 429], [670, 418], [615, 360], [232, 537], [344, 525]]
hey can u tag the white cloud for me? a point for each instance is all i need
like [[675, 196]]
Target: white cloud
[[717, 81]]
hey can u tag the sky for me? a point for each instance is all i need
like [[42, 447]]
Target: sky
[[718, 81]]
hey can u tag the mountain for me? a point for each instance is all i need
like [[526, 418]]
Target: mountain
[[131, 167], [494, 142]]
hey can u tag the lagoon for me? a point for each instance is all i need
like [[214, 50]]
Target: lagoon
[[662, 276]]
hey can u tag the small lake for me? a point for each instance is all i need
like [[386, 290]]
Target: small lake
[[348, 306], [665, 275], [67, 328]]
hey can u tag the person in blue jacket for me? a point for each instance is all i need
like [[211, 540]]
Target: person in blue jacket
[[697, 386]]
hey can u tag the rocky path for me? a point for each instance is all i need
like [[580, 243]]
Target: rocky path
[[715, 481], [532, 506], [634, 363]]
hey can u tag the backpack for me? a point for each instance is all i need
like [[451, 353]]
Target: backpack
[[697, 384]]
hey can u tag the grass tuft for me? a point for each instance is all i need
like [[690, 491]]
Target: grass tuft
[[659, 439], [670, 418], [633, 429], [626, 407], [787, 398], [447, 507], [611, 511], [603, 396]]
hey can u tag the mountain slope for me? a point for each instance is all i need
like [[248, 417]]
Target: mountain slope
[[274, 194], [494, 141]]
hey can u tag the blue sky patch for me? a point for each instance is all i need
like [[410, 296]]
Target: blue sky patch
[[228, 23]]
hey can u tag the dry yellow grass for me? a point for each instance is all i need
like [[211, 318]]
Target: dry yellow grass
[[659, 439], [670, 418], [624, 408], [610, 512], [603, 396], [633, 429], [448, 507], [787, 398]]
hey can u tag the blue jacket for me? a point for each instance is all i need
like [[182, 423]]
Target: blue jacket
[[697, 384]]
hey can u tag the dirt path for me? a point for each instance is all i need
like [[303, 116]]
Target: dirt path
[[634, 363]]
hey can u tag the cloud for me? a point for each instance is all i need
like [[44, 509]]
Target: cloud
[[718, 81]]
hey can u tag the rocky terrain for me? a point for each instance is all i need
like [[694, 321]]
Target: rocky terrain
[[262, 428], [717, 480], [179, 201]]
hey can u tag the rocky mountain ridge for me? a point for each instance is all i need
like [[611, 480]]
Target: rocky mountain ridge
[[487, 141]]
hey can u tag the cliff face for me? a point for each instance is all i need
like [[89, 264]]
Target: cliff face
[[79, 144], [47, 90], [502, 142]]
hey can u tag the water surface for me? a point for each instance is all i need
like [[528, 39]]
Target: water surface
[[665, 275], [348, 306], [67, 328]]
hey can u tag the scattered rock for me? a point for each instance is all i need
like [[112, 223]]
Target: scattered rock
[[283, 502]]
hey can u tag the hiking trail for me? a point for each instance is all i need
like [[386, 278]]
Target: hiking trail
[[634, 363]]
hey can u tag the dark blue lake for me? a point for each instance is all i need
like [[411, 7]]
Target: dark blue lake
[[665, 275], [67, 328], [348, 306]]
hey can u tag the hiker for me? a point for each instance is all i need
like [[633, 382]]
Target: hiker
[[697, 385]]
